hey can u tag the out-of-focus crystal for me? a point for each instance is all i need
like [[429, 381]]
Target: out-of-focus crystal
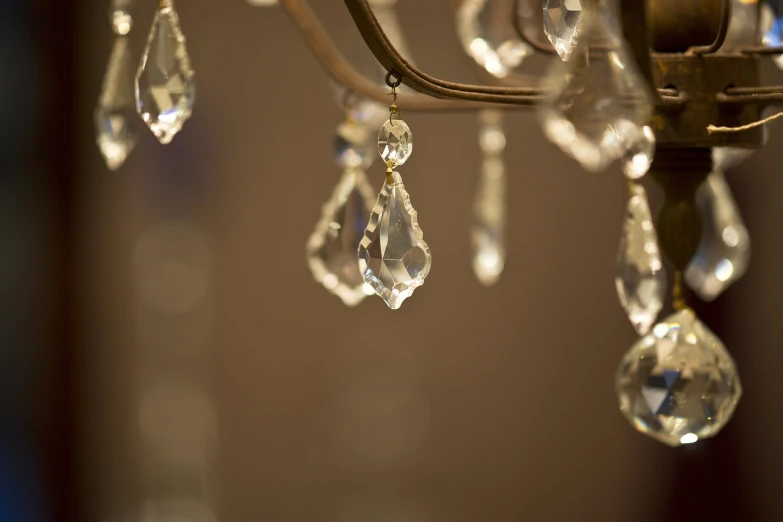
[[395, 142], [771, 27], [639, 153], [597, 100], [563, 22], [116, 121], [393, 257], [488, 36], [489, 222], [351, 145], [724, 252], [165, 82], [640, 280], [678, 384], [331, 249], [742, 28]]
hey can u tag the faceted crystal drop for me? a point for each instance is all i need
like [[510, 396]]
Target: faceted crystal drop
[[641, 280], [639, 154], [489, 222], [395, 142], [724, 253], [563, 23], [678, 384], [393, 257], [350, 146], [116, 121], [598, 100], [331, 249], [165, 82], [489, 37]]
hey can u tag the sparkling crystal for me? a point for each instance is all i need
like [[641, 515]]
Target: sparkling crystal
[[350, 146], [393, 257], [492, 138], [724, 253], [639, 153], [641, 280], [120, 15], [598, 100], [331, 249], [395, 142], [165, 82], [678, 384], [116, 121], [489, 222], [563, 23], [489, 38]]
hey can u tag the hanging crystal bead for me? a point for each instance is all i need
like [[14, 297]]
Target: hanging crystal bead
[[724, 252], [597, 101], [395, 142], [563, 23], [165, 82], [116, 122], [351, 145], [640, 280], [331, 249], [639, 155], [494, 46], [678, 384], [393, 257]]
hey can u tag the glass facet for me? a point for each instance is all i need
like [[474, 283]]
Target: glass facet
[[563, 22], [165, 82], [639, 154], [395, 142], [640, 280], [331, 249], [116, 121], [393, 257], [678, 384], [350, 146]]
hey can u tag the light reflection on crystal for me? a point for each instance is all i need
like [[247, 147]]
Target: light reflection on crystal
[[771, 28], [351, 145], [116, 122], [639, 153], [331, 249], [165, 82], [640, 280], [678, 384], [395, 142], [494, 46], [393, 257], [724, 253], [563, 23]]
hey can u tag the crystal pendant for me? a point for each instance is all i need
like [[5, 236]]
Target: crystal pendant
[[116, 122], [490, 39], [395, 142], [597, 101], [678, 384], [165, 82], [563, 23], [331, 249], [641, 280], [724, 253], [393, 257], [351, 145], [639, 155]]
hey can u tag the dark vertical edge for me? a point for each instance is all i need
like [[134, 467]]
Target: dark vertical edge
[[636, 32]]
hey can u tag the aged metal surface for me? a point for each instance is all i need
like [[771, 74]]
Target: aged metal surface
[[678, 25]]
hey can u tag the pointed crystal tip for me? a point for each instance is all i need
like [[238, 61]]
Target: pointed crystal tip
[[678, 384], [165, 82], [393, 257], [563, 23]]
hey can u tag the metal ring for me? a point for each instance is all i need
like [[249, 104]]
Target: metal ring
[[396, 75]]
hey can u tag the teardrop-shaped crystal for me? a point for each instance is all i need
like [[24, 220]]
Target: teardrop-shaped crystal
[[641, 280], [724, 252], [598, 100], [331, 249], [489, 222], [678, 384], [395, 142], [165, 82], [563, 23], [487, 34], [116, 121], [393, 257], [639, 154]]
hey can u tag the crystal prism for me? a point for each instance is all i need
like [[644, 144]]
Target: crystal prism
[[395, 142], [597, 101], [563, 23], [640, 280], [350, 146], [488, 38], [678, 384], [724, 253], [639, 154], [331, 249], [393, 257], [165, 82], [116, 121]]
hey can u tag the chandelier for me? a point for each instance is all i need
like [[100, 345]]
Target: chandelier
[[661, 86]]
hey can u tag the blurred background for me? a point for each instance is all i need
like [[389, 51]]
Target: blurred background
[[167, 356]]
